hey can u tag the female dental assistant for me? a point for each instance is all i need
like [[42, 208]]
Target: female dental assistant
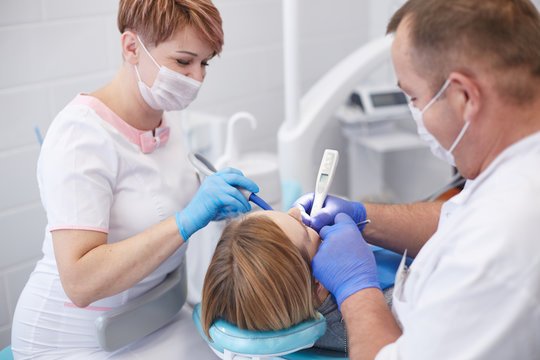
[[120, 197]]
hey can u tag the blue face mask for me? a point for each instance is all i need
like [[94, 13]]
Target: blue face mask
[[436, 148]]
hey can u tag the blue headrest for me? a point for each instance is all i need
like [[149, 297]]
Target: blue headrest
[[240, 341]]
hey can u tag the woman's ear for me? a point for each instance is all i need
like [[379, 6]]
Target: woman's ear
[[130, 47]]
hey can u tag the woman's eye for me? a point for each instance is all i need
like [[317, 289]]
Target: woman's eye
[[182, 62], [205, 63]]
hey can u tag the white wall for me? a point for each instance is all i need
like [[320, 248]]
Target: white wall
[[52, 49]]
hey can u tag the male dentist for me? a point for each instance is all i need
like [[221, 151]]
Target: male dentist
[[472, 71]]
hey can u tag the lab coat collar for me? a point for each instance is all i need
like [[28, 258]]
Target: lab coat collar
[[510, 152], [147, 141]]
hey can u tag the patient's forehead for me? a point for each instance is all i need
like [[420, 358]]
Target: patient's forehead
[[279, 217], [288, 223], [291, 224]]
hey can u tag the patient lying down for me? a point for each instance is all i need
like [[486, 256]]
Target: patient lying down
[[260, 278]]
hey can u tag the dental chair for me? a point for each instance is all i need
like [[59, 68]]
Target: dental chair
[[5, 353], [144, 314], [232, 343]]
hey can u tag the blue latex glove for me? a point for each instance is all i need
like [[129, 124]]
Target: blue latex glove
[[216, 199], [344, 263], [332, 206]]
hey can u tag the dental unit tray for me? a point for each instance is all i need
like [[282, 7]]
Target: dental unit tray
[[230, 342], [141, 316]]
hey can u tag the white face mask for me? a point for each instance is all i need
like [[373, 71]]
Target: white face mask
[[171, 90], [436, 148]]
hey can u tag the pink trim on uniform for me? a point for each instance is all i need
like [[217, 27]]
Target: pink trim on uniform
[[131, 133], [73, 227], [91, 308]]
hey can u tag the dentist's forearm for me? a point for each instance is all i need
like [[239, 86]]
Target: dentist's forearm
[[370, 324], [96, 270], [400, 227]]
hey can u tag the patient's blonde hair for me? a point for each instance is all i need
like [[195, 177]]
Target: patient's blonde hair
[[257, 279]]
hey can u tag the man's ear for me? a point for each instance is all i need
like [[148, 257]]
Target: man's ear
[[130, 47], [467, 95]]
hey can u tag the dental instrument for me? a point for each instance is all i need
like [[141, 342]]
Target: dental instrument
[[325, 177], [205, 167], [367, 221]]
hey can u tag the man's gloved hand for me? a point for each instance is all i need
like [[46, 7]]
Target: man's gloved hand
[[332, 206], [344, 263], [216, 199]]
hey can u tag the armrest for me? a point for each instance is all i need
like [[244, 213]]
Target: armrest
[[144, 314]]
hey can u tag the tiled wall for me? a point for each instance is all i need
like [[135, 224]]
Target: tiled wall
[[52, 49]]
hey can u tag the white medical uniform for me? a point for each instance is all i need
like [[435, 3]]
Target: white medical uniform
[[473, 291], [93, 175]]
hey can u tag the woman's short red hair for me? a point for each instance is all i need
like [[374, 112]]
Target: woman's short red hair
[[157, 20]]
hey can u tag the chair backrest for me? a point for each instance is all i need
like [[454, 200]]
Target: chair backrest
[[6, 354], [143, 315]]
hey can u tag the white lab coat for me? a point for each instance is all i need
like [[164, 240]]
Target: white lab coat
[[93, 176], [473, 291]]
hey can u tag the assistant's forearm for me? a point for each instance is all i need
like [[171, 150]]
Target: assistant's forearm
[[400, 227], [109, 269], [370, 324]]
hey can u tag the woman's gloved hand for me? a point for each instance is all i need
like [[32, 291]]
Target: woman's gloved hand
[[332, 206], [217, 199], [344, 263]]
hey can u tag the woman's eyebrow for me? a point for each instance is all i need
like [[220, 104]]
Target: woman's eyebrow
[[186, 52]]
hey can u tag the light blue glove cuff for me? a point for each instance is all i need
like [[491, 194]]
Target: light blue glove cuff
[[180, 226]]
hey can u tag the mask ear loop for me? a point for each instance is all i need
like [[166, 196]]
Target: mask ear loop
[[145, 50], [461, 133]]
